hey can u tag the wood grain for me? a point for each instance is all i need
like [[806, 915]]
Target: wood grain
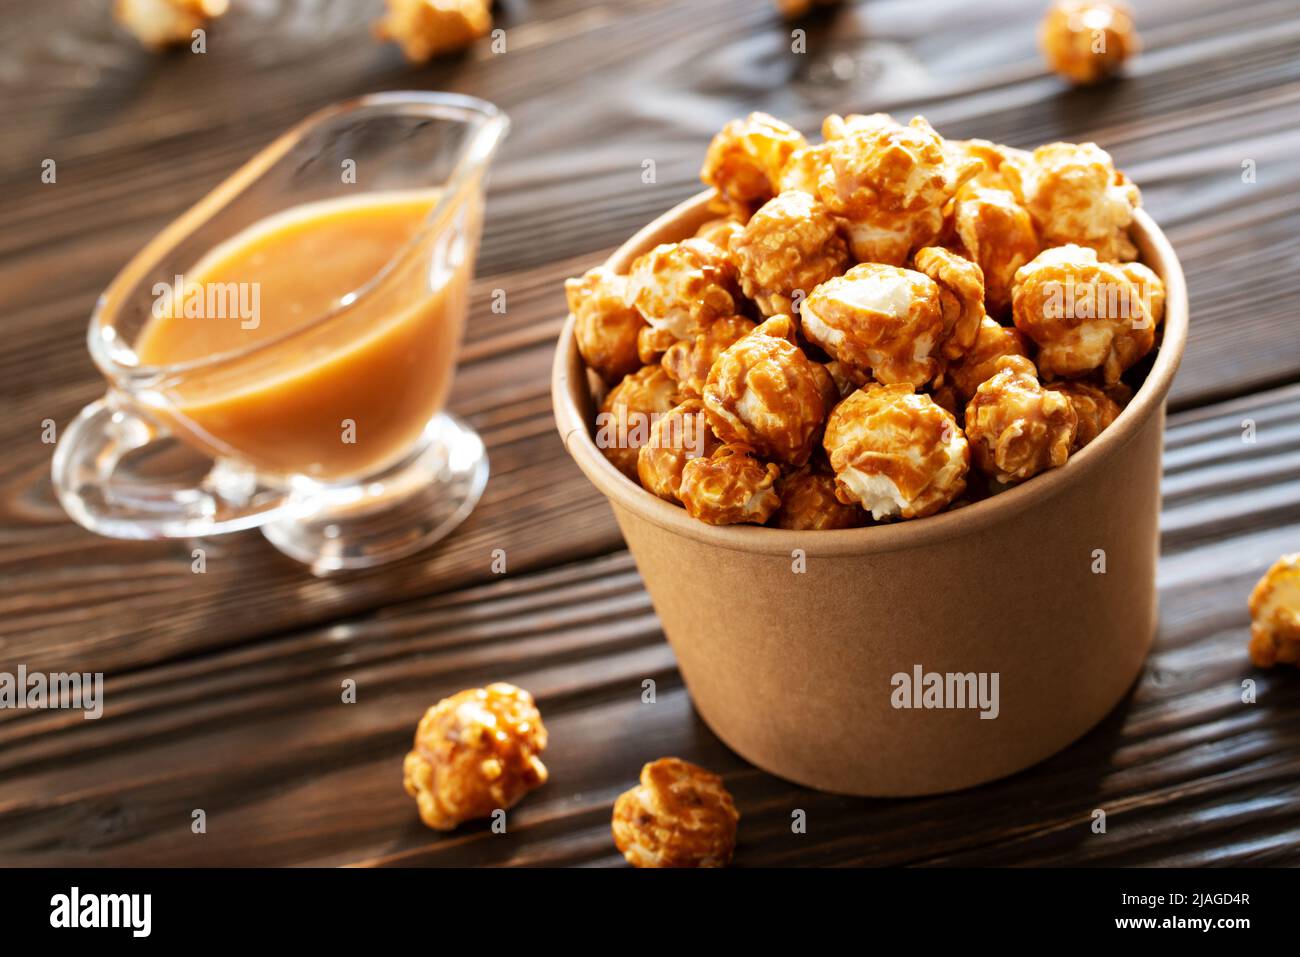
[[224, 687]]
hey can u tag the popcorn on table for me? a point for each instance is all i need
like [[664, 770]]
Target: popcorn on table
[[1275, 615], [1085, 40], [680, 815], [475, 752], [426, 28], [866, 315], [159, 24]]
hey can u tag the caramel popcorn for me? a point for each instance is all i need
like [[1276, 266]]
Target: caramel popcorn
[[1275, 615], [888, 182], [808, 502], [1084, 315], [652, 344], [628, 413], [722, 232], [427, 28], [158, 24], [993, 230], [895, 452], [475, 752], [606, 327], [788, 247], [1095, 409], [883, 320], [729, 487], [961, 297], [992, 343], [1076, 195], [1151, 286], [1086, 41], [677, 437], [763, 391], [688, 361], [745, 159], [1016, 428], [682, 287], [679, 816]]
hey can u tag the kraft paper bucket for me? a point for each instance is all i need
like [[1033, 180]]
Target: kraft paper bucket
[[797, 647]]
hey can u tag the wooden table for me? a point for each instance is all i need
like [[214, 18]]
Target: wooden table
[[223, 688]]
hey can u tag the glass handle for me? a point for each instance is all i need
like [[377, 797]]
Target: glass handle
[[86, 480]]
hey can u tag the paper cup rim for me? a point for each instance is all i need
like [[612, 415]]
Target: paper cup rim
[[569, 375]]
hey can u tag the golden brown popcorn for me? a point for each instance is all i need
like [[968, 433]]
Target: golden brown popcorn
[[845, 378], [426, 28], [682, 287], [628, 413], [688, 361], [730, 487], [606, 327], [882, 320], [992, 229], [1015, 427], [961, 297], [475, 752], [889, 183], [991, 344], [680, 816], [1151, 287], [1096, 410], [1275, 615], [652, 343], [1084, 315], [721, 231], [808, 502], [745, 159], [895, 452], [158, 24], [763, 391], [787, 248], [1076, 195], [1086, 41], [677, 437]]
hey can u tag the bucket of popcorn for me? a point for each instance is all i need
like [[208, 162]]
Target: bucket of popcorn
[[881, 419]]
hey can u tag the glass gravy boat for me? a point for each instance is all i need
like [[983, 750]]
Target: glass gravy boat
[[328, 433]]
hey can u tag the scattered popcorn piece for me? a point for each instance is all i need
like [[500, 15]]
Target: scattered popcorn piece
[[895, 452], [961, 297], [1086, 41], [1275, 615], [606, 327], [787, 248], [1083, 314], [682, 287], [888, 182], [764, 392], [882, 320], [475, 752], [793, 9], [679, 816], [1095, 409], [427, 28], [1076, 195], [745, 159], [729, 487], [158, 24], [808, 502], [1016, 428], [688, 361], [628, 413], [677, 437]]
